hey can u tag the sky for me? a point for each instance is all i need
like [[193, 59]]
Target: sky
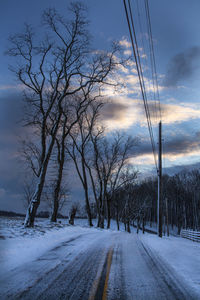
[[175, 29]]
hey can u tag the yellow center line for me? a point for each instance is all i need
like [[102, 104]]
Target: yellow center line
[[109, 261], [97, 279]]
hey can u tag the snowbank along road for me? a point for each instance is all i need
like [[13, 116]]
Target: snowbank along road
[[96, 265]]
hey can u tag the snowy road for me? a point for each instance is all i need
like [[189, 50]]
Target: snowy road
[[107, 265]]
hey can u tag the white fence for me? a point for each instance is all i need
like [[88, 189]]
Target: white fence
[[191, 235]]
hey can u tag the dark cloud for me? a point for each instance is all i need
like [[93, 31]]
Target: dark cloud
[[197, 134], [113, 110], [182, 144], [182, 66], [175, 145]]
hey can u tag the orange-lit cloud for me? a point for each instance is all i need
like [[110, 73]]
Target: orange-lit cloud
[[176, 113], [125, 43]]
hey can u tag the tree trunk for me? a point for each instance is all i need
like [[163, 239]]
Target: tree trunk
[[101, 223], [167, 216], [108, 213], [125, 225], [85, 185], [138, 224], [72, 216], [88, 208], [179, 225], [117, 220], [32, 209], [57, 188], [143, 225], [35, 201], [102, 211], [117, 217], [164, 225], [98, 222], [128, 226], [55, 211], [95, 194]]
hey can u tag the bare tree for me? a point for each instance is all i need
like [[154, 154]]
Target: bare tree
[[51, 71], [72, 213], [79, 149], [28, 191], [181, 201], [72, 111], [122, 174], [56, 208], [110, 157], [125, 183]]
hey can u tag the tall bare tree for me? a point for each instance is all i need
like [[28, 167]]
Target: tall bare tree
[[110, 157], [80, 151], [72, 112], [125, 181]]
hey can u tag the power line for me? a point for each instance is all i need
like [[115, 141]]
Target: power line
[[154, 107], [143, 84], [140, 74], [155, 77]]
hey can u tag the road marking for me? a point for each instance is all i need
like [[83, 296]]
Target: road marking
[[105, 263], [95, 285], [109, 261]]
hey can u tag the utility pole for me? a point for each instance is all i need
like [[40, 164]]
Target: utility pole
[[159, 205], [167, 216]]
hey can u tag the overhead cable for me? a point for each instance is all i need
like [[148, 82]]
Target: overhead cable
[[140, 74], [155, 77]]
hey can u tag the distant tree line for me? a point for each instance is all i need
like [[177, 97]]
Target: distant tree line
[[136, 203]]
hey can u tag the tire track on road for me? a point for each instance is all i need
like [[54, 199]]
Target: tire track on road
[[69, 278]]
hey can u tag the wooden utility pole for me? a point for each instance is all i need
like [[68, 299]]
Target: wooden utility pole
[[159, 206], [167, 216]]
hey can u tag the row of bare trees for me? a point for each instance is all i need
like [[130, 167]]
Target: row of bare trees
[[63, 81], [137, 202], [184, 210], [101, 161]]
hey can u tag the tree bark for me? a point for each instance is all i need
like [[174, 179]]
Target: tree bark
[[61, 161], [101, 223], [143, 227], [35, 201], [108, 213], [128, 226], [117, 217], [138, 224], [55, 211], [86, 192]]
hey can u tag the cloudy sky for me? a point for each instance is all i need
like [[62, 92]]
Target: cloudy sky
[[175, 27]]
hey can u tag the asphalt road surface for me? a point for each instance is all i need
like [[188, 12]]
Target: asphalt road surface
[[110, 266]]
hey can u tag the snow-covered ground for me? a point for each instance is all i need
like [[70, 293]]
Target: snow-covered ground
[[181, 254], [19, 247], [153, 227]]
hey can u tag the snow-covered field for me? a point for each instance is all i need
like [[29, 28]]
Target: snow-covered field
[[20, 247], [182, 255]]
